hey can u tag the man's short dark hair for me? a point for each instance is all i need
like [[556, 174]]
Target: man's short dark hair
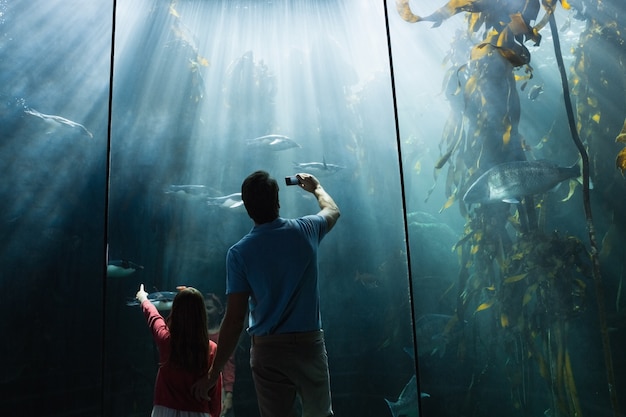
[[259, 193]]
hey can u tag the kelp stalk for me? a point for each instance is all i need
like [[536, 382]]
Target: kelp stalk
[[608, 359]]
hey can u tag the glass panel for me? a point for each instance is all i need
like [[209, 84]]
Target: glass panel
[[196, 85], [54, 74], [507, 321]]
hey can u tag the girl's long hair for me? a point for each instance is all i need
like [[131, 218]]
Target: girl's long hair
[[189, 337]]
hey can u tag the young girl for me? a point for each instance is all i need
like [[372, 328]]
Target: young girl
[[185, 355]]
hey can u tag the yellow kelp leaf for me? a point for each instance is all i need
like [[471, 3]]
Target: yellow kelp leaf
[[571, 386], [503, 37], [506, 137], [448, 203], [173, 11], [418, 167], [518, 256], [203, 61], [451, 131], [405, 11], [515, 222], [592, 101], [475, 20], [580, 66], [622, 135], [504, 320], [451, 324], [517, 25], [610, 238], [565, 5], [620, 161], [596, 117], [477, 52], [471, 84], [572, 187], [515, 278], [464, 239], [485, 305], [474, 249], [543, 369], [529, 294]]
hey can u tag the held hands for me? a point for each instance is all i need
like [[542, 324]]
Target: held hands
[[308, 182], [141, 295], [201, 388], [227, 403], [329, 209]]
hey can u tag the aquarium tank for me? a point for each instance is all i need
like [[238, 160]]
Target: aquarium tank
[[476, 149]]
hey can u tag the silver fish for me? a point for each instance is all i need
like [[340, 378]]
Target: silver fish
[[58, 119], [434, 333], [318, 169], [534, 92], [230, 201], [407, 403], [511, 181], [121, 268], [272, 143], [186, 188], [162, 300]]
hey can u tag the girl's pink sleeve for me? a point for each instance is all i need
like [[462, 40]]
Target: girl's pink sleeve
[[156, 322]]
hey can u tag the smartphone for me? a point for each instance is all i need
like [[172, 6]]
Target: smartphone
[[292, 180]]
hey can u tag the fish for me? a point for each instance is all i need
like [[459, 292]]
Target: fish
[[407, 403], [434, 332], [121, 268], [511, 181], [230, 201], [58, 119], [162, 300], [534, 91], [319, 169], [186, 188], [272, 143], [366, 279], [187, 192]]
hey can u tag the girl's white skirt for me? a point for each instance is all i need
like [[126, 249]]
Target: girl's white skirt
[[160, 411]]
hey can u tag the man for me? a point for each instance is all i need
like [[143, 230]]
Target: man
[[273, 272]]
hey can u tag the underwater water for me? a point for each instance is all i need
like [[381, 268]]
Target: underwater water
[[127, 127]]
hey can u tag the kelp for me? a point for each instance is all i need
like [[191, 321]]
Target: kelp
[[529, 285], [606, 345]]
